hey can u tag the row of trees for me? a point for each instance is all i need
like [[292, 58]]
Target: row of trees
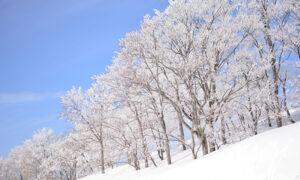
[[199, 75]]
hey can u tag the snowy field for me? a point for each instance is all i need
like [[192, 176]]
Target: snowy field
[[273, 155]]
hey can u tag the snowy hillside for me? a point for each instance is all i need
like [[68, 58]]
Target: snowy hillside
[[273, 155], [201, 76]]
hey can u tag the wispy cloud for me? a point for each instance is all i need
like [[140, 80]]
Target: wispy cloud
[[15, 98]]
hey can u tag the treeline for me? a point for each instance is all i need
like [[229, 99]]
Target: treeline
[[203, 73]]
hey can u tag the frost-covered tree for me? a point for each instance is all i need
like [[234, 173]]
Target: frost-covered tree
[[272, 32], [203, 73], [28, 159], [87, 112]]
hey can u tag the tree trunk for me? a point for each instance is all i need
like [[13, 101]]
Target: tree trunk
[[223, 134], [160, 153], [276, 93], [102, 152], [268, 115], [102, 158], [204, 144], [255, 127], [285, 101], [181, 131], [166, 139], [203, 140], [275, 74], [193, 147], [144, 143], [210, 120], [212, 146], [146, 162], [180, 120], [136, 162]]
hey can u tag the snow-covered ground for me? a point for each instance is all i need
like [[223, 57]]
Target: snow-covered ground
[[273, 155]]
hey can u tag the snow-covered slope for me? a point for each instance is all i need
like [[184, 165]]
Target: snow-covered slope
[[273, 155]]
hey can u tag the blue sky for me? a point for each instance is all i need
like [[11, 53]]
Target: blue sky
[[46, 47]]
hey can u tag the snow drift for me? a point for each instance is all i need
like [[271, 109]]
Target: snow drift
[[273, 155]]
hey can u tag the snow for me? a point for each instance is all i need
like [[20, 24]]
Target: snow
[[273, 155]]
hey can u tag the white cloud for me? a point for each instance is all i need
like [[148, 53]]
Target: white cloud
[[14, 98]]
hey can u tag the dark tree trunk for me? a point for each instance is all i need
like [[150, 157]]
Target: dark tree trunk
[[181, 131], [268, 115], [102, 152], [223, 133], [166, 139], [285, 101]]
